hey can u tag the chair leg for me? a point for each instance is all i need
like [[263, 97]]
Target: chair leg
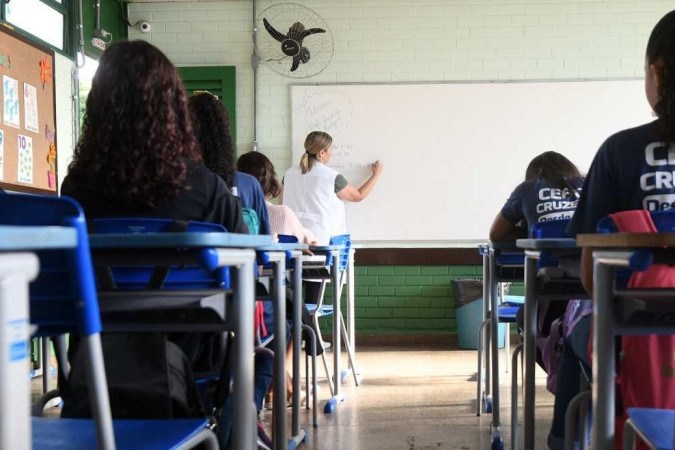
[[507, 346], [350, 351], [44, 354], [479, 371], [312, 342], [628, 435], [319, 341], [514, 396], [570, 416]]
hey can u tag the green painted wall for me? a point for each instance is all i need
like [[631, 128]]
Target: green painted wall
[[407, 299]]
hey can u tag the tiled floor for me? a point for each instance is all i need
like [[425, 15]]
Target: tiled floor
[[413, 399]]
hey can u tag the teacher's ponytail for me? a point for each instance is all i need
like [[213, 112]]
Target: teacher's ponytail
[[306, 163], [314, 143]]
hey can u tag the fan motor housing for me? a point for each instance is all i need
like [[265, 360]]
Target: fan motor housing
[[290, 47]]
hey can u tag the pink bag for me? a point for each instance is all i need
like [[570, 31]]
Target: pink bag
[[646, 371]]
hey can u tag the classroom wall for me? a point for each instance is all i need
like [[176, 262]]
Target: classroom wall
[[404, 41], [389, 41], [65, 136]]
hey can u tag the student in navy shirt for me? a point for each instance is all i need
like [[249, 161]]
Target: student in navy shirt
[[550, 191], [633, 169]]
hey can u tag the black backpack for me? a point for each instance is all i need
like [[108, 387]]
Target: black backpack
[[149, 377]]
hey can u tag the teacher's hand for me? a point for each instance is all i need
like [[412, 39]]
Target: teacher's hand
[[377, 167]]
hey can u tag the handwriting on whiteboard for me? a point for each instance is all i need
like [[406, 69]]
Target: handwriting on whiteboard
[[329, 111]]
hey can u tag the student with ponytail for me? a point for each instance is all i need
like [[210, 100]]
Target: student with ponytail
[[633, 169]]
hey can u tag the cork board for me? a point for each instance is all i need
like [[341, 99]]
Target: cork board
[[27, 115]]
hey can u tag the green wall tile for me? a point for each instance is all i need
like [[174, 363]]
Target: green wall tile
[[407, 270], [380, 270], [386, 280], [434, 270], [418, 280]]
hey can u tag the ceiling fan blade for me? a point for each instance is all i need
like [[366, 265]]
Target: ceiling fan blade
[[296, 63], [273, 32]]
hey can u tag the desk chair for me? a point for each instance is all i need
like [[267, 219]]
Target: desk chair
[[320, 309], [655, 427], [63, 300]]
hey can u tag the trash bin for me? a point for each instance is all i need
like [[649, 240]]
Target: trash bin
[[469, 312]]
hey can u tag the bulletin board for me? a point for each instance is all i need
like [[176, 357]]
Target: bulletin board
[[27, 115]]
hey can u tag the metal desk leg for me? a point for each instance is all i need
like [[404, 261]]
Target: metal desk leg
[[351, 318], [603, 355], [279, 431], [297, 435], [496, 438], [244, 417], [16, 271], [482, 338], [530, 349]]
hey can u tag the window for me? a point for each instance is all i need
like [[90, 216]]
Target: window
[[38, 18]]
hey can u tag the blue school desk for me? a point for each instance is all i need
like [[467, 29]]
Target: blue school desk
[[502, 262], [18, 266], [625, 250], [533, 251], [212, 250], [277, 254]]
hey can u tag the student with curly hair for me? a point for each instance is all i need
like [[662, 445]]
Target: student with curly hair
[[137, 155], [211, 123]]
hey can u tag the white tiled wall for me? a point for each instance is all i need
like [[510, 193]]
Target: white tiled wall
[[409, 41]]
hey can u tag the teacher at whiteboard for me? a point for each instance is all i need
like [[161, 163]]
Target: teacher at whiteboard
[[317, 192]]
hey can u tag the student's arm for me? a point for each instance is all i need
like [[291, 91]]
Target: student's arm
[[351, 194], [504, 230]]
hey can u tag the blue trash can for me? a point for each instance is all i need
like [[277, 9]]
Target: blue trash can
[[469, 313]]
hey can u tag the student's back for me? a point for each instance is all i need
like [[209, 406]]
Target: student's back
[[137, 155]]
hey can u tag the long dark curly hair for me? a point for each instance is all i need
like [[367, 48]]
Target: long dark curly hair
[[258, 165], [661, 53], [211, 123], [136, 138], [553, 167]]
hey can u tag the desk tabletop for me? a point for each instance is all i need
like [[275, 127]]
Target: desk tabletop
[[626, 240], [13, 238], [174, 240], [547, 243]]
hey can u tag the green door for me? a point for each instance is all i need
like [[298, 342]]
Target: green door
[[218, 80]]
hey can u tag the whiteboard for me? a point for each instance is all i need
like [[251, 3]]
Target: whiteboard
[[453, 153]]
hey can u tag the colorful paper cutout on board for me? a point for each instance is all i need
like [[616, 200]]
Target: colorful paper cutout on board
[[2, 155], [25, 159], [51, 158], [5, 61], [45, 72], [30, 108], [11, 103]]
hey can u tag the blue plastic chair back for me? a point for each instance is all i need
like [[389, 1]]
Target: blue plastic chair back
[[343, 258], [287, 239], [549, 229], [178, 277], [63, 297]]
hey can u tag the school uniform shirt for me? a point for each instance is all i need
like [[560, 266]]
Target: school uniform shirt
[[537, 201], [251, 195], [633, 169], [206, 198], [313, 197], [284, 221]]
